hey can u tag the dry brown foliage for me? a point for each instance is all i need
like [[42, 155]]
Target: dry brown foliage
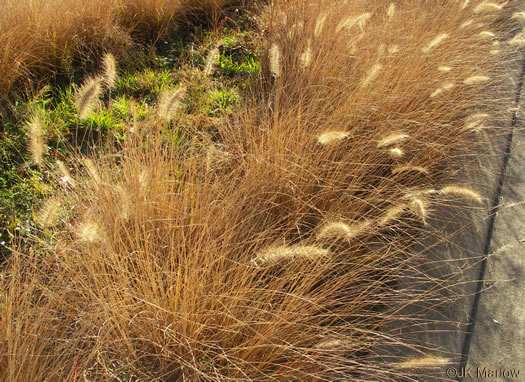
[[41, 36], [276, 257]]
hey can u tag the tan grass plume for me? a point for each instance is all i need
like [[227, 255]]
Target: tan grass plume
[[419, 207], [211, 61], [87, 94], [341, 230], [65, 174], [435, 42], [306, 57], [351, 21], [330, 344], [393, 213], [280, 254], [330, 137], [465, 4], [473, 80], [465, 192], [319, 23], [466, 24], [89, 231], [391, 11], [372, 74], [37, 144], [170, 102], [124, 202], [474, 121], [109, 72], [335, 229], [275, 60], [442, 89], [423, 362], [393, 49], [396, 152], [392, 139], [487, 34], [48, 214], [487, 6], [92, 171], [518, 40], [406, 168]]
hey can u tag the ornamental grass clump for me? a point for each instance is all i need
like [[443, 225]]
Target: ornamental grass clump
[[277, 257]]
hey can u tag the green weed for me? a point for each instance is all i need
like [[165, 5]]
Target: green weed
[[221, 102], [146, 84], [238, 56], [230, 67]]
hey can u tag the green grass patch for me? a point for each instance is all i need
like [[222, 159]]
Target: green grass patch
[[145, 85], [238, 55], [221, 102]]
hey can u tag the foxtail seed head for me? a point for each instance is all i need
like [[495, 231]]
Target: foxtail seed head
[[425, 362], [518, 40], [124, 202], [372, 74], [170, 102], [66, 176], [488, 7], [275, 60], [473, 122], [391, 11], [466, 24], [86, 96], [281, 254], [392, 214], [419, 208], [447, 86], [392, 139], [109, 65], [467, 193], [36, 138], [487, 34], [407, 168], [145, 178], [465, 4], [340, 230], [211, 152], [92, 170], [319, 23], [330, 344], [435, 42], [330, 137], [335, 229], [306, 57], [473, 80], [349, 22], [49, 213], [211, 61], [396, 152], [89, 231], [393, 49]]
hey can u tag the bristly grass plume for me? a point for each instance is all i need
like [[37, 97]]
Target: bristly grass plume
[[170, 102], [35, 131], [87, 94], [109, 70]]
